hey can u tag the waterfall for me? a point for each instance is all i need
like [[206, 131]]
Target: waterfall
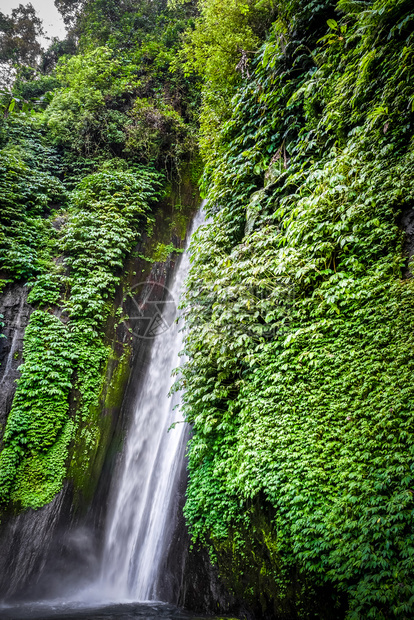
[[138, 533], [54, 566]]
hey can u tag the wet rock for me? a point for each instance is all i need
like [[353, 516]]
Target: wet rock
[[407, 224], [16, 312]]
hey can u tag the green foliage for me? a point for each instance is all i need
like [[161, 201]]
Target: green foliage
[[34, 87], [162, 252], [104, 108], [41, 476], [299, 379], [225, 29], [39, 412], [106, 216], [158, 134], [100, 232], [219, 48], [77, 188], [29, 189], [76, 198], [82, 115]]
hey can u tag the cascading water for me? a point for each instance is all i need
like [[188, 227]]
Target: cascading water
[[136, 571], [138, 531]]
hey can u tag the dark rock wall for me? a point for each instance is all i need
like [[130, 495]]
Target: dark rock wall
[[188, 578], [16, 313], [27, 541]]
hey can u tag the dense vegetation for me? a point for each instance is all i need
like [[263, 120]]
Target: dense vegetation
[[90, 142], [300, 313], [300, 301]]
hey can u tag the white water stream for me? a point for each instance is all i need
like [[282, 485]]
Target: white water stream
[[138, 531]]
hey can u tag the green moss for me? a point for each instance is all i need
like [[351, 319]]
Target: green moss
[[180, 220], [41, 475], [94, 429], [116, 388], [175, 212]]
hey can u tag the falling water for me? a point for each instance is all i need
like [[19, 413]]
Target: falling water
[[133, 577], [137, 533]]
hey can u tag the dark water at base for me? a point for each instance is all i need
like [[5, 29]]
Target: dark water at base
[[118, 611]]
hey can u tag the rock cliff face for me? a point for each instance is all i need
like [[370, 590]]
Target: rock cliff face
[[27, 542], [16, 312], [190, 580]]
